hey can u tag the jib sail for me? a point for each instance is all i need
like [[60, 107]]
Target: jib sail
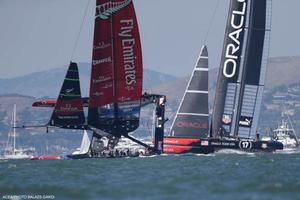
[[191, 120], [243, 67], [116, 77], [68, 111]]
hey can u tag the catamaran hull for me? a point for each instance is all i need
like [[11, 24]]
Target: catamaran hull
[[244, 145], [48, 157], [210, 145]]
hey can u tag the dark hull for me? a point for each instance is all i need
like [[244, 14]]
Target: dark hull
[[210, 145], [244, 145]]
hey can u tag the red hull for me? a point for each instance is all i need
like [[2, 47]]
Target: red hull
[[51, 157], [185, 145], [172, 149], [44, 103]]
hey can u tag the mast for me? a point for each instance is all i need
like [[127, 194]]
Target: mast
[[14, 128]]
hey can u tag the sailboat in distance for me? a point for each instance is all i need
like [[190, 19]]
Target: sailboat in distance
[[11, 150]]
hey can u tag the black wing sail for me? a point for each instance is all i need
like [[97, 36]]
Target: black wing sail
[[256, 58], [68, 111], [243, 68], [191, 120]]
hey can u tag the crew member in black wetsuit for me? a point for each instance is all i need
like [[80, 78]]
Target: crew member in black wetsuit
[[257, 137], [221, 132]]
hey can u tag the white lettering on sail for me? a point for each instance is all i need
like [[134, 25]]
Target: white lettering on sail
[[101, 45], [237, 23], [104, 60], [101, 79], [128, 43]]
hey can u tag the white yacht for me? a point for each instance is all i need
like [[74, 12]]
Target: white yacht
[[11, 152], [285, 135]]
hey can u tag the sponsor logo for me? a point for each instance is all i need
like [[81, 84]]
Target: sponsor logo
[[124, 99], [128, 44], [226, 119], [129, 88], [68, 117], [245, 145], [101, 45], [171, 141], [97, 94], [204, 143], [104, 11], [101, 79], [237, 23], [244, 121], [106, 86], [101, 61], [69, 90], [223, 144], [192, 125], [67, 108]]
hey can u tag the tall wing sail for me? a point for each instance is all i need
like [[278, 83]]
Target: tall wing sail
[[256, 59], [191, 120], [243, 68], [116, 77], [68, 111]]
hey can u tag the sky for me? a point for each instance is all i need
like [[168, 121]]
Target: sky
[[37, 35]]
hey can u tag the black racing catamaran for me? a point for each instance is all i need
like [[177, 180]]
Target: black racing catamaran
[[242, 74], [240, 84]]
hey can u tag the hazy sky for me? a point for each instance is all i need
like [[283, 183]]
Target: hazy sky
[[40, 34]]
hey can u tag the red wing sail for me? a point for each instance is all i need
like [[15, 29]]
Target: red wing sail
[[68, 110], [116, 79]]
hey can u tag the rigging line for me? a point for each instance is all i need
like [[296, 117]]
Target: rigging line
[[212, 19], [80, 29]]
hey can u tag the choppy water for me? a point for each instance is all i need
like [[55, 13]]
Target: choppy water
[[218, 176]]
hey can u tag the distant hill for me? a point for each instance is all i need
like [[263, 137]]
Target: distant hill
[[48, 83]]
